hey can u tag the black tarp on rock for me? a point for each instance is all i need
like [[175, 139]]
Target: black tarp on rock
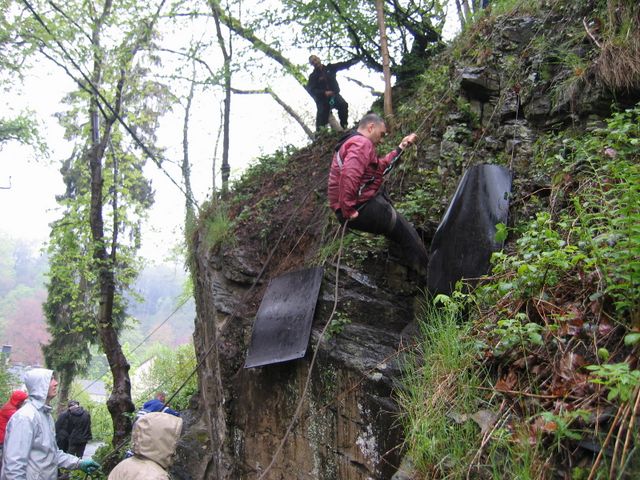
[[465, 239], [283, 323]]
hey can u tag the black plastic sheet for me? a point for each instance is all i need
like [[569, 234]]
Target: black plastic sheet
[[465, 239], [283, 323]]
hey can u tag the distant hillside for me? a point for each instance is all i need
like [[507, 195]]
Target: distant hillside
[[22, 291]]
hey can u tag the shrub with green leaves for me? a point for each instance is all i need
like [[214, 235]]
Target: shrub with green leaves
[[599, 230], [618, 378], [172, 368]]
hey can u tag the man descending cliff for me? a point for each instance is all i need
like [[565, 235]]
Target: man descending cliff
[[324, 89], [154, 439], [354, 189]]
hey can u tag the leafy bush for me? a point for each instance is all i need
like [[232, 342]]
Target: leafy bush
[[598, 233], [264, 167], [170, 369]]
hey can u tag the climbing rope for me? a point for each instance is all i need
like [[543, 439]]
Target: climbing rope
[[336, 287], [313, 359], [395, 354]]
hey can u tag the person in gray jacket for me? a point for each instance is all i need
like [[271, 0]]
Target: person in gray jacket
[[30, 449]]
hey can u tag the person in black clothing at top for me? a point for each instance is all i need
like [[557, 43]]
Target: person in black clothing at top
[[324, 89], [73, 429]]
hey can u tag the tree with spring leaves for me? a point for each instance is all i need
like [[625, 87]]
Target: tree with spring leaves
[[107, 48]]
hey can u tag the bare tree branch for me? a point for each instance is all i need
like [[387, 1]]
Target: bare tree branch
[[287, 108]]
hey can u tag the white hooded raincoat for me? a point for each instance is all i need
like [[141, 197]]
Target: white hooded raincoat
[[30, 448]]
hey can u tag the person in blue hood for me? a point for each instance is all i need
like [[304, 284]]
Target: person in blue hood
[[30, 449], [158, 405]]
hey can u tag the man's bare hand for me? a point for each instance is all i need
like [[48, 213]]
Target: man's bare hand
[[354, 215], [408, 140]]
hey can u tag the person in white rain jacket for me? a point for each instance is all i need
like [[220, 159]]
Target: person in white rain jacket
[[154, 439], [30, 448]]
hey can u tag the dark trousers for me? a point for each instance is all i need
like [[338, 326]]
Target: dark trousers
[[378, 216], [324, 109], [77, 449]]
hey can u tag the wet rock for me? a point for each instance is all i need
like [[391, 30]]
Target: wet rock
[[479, 83], [517, 32]]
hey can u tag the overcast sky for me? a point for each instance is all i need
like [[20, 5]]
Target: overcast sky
[[259, 126]]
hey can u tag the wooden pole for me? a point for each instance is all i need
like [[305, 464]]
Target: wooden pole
[[384, 50]]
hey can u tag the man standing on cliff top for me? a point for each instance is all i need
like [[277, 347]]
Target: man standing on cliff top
[[354, 189], [324, 89]]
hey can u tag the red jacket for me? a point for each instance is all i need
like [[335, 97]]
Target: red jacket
[[360, 166], [8, 409]]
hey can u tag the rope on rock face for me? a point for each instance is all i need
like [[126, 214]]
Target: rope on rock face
[[234, 314], [313, 360]]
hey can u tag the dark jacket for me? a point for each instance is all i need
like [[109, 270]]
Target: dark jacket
[[73, 427], [323, 79]]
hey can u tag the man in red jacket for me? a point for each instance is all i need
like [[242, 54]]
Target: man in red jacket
[[8, 409], [354, 189]]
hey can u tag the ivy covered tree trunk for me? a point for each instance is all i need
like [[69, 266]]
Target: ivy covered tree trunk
[[119, 402]]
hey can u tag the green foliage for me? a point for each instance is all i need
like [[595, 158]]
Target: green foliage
[[23, 129], [501, 232], [432, 95], [264, 168], [543, 257], [219, 229], [8, 382], [501, 7], [170, 369], [562, 423], [600, 231], [422, 202], [439, 381], [512, 332], [618, 378], [323, 24], [340, 321]]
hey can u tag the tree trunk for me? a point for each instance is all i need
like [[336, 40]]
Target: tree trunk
[[66, 377], [287, 108], [190, 214], [119, 402], [226, 55], [384, 51], [258, 44], [460, 14]]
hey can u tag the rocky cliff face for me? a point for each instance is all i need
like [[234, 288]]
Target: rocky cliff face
[[348, 427]]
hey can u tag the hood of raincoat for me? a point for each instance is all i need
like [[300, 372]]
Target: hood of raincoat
[[37, 381], [17, 397], [155, 436]]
